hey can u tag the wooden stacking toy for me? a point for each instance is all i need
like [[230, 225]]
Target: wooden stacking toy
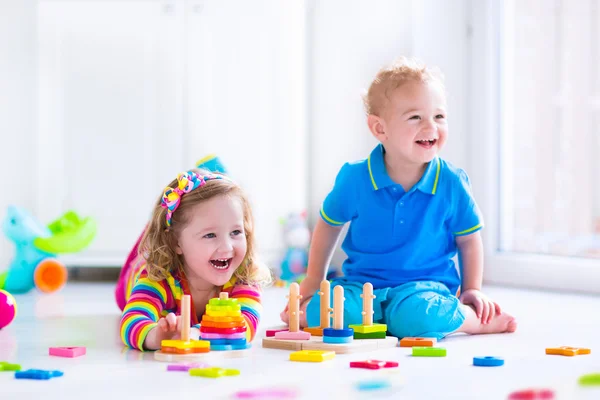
[[368, 330], [325, 310], [184, 345], [223, 324], [294, 312]]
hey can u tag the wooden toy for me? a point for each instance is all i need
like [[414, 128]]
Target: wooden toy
[[373, 335], [6, 367], [318, 342], [223, 324], [338, 334], [37, 374], [428, 352], [272, 332], [213, 372], [372, 385], [185, 367], [567, 351], [262, 394], [417, 341], [325, 310], [69, 352], [294, 332], [312, 355], [373, 364], [183, 346], [590, 380], [368, 329], [488, 361], [532, 394]]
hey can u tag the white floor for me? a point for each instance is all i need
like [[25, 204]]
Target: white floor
[[86, 315]]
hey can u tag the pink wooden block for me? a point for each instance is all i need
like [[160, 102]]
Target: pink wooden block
[[272, 332], [69, 352], [185, 367], [301, 335], [206, 335]]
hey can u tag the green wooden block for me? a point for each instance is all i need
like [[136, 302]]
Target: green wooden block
[[232, 308], [373, 335], [428, 352], [223, 302], [590, 380], [213, 372], [4, 367]]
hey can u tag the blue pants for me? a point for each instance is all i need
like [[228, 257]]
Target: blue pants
[[414, 309]]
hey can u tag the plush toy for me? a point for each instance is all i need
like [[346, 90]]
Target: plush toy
[[297, 238]]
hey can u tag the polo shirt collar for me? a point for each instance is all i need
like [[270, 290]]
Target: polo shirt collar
[[380, 178]]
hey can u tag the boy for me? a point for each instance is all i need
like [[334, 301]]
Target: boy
[[409, 213]]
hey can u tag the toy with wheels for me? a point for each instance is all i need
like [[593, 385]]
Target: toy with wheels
[[36, 246], [8, 308]]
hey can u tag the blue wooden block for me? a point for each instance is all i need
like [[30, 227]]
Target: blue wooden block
[[344, 332], [338, 339], [373, 385], [226, 341], [226, 347], [488, 361], [38, 374]]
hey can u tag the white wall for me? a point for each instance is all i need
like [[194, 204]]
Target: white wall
[[350, 41], [17, 108]]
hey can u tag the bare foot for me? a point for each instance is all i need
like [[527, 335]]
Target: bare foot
[[499, 324]]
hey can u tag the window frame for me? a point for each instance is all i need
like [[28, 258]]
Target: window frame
[[486, 124]]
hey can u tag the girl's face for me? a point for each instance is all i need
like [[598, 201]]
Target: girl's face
[[213, 243]]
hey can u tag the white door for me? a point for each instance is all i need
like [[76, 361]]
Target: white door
[[245, 69], [110, 101]]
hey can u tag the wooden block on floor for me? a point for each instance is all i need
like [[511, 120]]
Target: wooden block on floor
[[316, 343], [372, 335], [417, 342], [281, 344]]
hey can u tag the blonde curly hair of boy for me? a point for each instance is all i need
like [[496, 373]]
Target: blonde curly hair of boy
[[392, 76], [159, 241]]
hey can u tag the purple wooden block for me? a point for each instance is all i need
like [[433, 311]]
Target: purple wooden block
[[185, 367]]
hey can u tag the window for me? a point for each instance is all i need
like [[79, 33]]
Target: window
[[535, 99]]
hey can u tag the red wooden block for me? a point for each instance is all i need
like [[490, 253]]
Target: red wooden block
[[373, 364], [272, 332], [209, 329], [532, 394]]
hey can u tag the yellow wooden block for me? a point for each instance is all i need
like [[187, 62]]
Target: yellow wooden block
[[213, 313], [191, 344], [369, 328], [312, 355], [223, 302], [567, 351], [234, 307]]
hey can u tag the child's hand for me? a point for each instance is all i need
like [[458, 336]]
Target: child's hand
[[168, 327], [485, 308], [308, 287]]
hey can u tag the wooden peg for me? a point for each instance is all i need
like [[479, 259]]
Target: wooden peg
[[338, 307], [294, 307], [223, 296], [326, 309], [185, 317], [367, 312]]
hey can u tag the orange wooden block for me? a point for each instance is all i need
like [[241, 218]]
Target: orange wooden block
[[567, 351], [212, 324], [190, 350], [315, 331], [418, 342], [222, 319]]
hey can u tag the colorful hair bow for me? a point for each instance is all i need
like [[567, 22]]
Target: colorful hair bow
[[186, 182]]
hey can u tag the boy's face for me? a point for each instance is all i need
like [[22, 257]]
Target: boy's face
[[213, 243], [412, 126]]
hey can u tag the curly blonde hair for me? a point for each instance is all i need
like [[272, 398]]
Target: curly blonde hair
[[391, 77], [159, 241]]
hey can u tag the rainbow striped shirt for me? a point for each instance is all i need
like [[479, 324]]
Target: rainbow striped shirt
[[148, 301]]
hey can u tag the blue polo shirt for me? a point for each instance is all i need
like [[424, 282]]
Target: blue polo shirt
[[396, 236]]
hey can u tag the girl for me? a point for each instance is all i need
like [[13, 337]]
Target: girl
[[200, 241]]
